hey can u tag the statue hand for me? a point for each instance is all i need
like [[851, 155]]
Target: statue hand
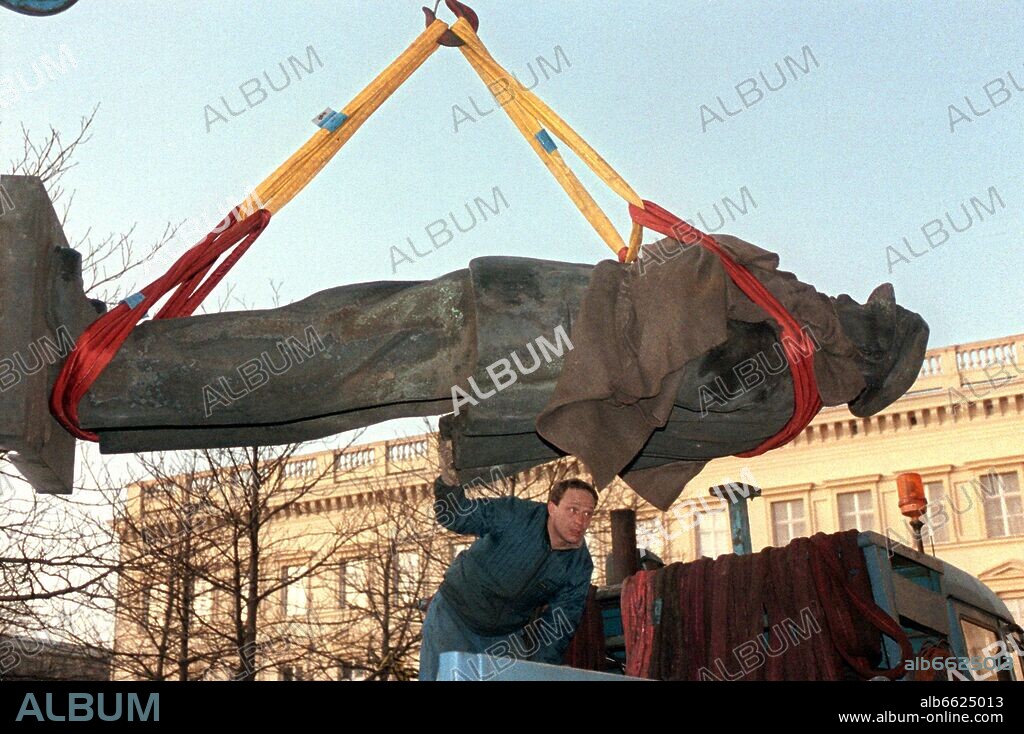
[[447, 462]]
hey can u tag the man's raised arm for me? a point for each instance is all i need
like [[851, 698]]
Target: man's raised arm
[[460, 514]]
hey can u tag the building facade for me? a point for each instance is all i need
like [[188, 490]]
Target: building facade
[[24, 658]]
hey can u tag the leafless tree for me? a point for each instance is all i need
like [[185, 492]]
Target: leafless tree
[[110, 262], [196, 562], [55, 554], [219, 553], [51, 547], [397, 562]]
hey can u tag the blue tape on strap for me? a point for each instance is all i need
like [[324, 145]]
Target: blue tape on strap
[[330, 120], [546, 142], [134, 300]]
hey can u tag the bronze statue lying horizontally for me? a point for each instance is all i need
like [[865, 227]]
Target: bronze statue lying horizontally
[[646, 370]]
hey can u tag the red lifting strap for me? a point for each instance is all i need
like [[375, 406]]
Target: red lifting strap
[[636, 602], [797, 345], [101, 340], [832, 583]]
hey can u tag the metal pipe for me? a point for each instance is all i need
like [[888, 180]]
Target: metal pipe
[[625, 558], [735, 496]]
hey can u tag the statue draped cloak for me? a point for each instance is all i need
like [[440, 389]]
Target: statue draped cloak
[[627, 399]]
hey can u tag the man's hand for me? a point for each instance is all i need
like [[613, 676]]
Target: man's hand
[[447, 461]]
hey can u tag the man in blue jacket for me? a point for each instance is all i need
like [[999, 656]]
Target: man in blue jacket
[[527, 554]]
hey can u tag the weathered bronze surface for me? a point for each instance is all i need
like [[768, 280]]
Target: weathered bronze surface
[[360, 354], [42, 311]]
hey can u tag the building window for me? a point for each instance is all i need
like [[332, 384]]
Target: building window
[[1016, 607], [295, 594], [650, 534], [156, 605], [714, 537], [856, 511], [291, 672], [347, 671], [936, 519], [1004, 515], [788, 521], [981, 642], [353, 584], [406, 576], [202, 599]]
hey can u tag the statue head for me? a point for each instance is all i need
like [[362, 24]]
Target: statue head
[[892, 342]]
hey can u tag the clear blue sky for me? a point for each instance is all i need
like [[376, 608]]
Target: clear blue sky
[[847, 158]]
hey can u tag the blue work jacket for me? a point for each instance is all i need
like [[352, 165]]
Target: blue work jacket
[[497, 584]]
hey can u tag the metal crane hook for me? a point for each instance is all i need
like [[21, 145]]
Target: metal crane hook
[[461, 10]]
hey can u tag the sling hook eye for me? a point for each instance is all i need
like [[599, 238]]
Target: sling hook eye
[[461, 10]]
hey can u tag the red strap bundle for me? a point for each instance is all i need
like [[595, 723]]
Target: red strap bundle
[[792, 613], [587, 649], [101, 340], [839, 595], [797, 345], [636, 602]]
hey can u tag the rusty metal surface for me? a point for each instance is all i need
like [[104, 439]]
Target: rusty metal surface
[[624, 560], [340, 359]]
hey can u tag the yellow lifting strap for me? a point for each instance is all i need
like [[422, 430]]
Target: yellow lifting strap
[[531, 116], [534, 120], [296, 173]]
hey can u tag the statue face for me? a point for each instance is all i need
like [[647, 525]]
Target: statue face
[[569, 519], [891, 341]]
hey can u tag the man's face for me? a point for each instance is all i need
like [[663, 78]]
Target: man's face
[[570, 518]]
